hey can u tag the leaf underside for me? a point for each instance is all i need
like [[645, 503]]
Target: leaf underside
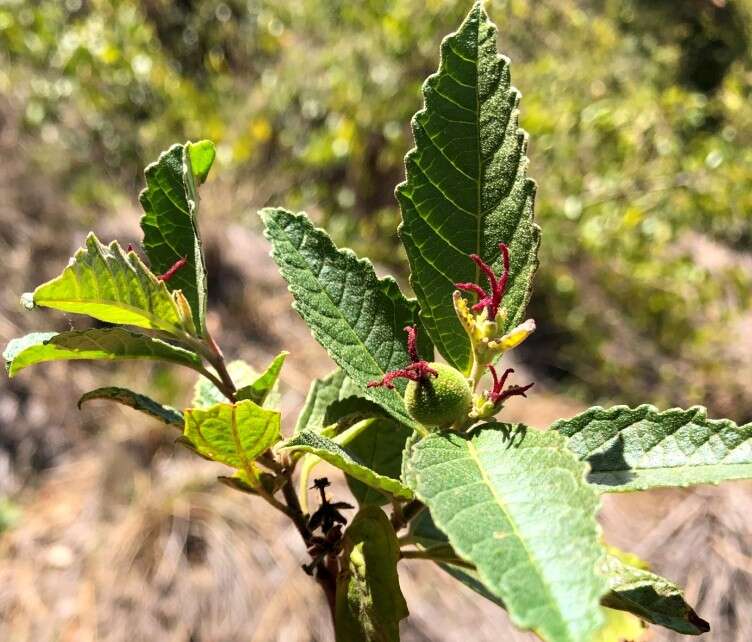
[[315, 444], [106, 283], [466, 188], [321, 395], [169, 223], [112, 344], [369, 603], [355, 316], [631, 449], [515, 503], [137, 401]]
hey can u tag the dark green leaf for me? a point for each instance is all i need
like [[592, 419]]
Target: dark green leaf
[[315, 444], [355, 316], [466, 189], [369, 604], [514, 503], [136, 401], [639, 448], [98, 343], [170, 224], [106, 283]]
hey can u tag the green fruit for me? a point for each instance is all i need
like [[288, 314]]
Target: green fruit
[[439, 401]]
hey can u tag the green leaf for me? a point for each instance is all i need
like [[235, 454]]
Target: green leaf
[[110, 285], [355, 316], [514, 503], [466, 189], [233, 434], [137, 401], [650, 597], [259, 390], [315, 444], [98, 343], [369, 603], [380, 448], [321, 394], [170, 225], [632, 449]]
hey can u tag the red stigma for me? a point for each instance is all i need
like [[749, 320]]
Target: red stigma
[[497, 394], [490, 300], [175, 267], [417, 370]]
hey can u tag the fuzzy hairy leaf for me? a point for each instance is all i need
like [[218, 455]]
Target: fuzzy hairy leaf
[[315, 444], [650, 597], [137, 401], [106, 283], [355, 316], [113, 344], [169, 223], [264, 384], [466, 187], [514, 503], [369, 603], [380, 448], [632, 449], [322, 393], [233, 434]]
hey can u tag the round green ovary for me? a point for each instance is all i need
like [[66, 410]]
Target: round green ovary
[[439, 401]]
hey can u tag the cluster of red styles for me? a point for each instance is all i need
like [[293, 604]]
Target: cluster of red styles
[[420, 370]]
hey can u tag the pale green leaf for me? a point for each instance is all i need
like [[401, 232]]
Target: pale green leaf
[[355, 316], [514, 503], [621, 627], [632, 449], [380, 448], [315, 444], [106, 283], [369, 604], [650, 597], [466, 189], [137, 401], [233, 434], [263, 385], [206, 394], [169, 223], [113, 344], [321, 394]]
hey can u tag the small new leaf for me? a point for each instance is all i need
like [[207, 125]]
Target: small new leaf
[[321, 395], [259, 390], [106, 283], [137, 401], [106, 344], [466, 189], [632, 449], [369, 604], [233, 434]]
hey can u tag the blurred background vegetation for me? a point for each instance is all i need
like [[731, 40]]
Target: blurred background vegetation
[[638, 113], [640, 124]]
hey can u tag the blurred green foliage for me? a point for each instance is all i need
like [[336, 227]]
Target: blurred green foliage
[[638, 112]]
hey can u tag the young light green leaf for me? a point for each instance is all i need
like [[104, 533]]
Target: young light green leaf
[[206, 394], [315, 444], [233, 434], [321, 394], [650, 597], [355, 316], [170, 224], [137, 401], [380, 449], [98, 343], [106, 283], [466, 189], [369, 604], [514, 502], [632, 449], [259, 389]]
